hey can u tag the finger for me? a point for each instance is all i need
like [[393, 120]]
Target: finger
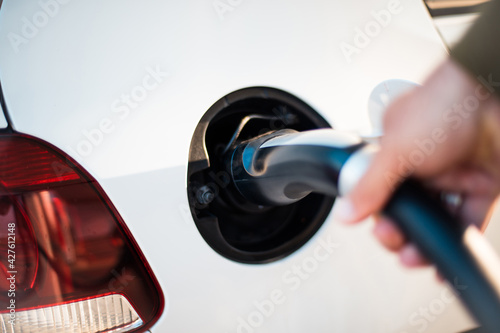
[[465, 180], [411, 257], [478, 191], [388, 234], [477, 210]]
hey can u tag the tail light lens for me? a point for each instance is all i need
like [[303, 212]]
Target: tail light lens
[[67, 261]]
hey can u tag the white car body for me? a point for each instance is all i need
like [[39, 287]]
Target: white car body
[[65, 78]]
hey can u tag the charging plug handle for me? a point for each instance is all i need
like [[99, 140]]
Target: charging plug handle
[[283, 167]]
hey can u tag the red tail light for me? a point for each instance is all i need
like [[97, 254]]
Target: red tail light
[[67, 261]]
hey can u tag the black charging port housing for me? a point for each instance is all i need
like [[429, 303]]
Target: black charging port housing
[[234, 227]]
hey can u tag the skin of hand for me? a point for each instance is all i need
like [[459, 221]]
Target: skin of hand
[[452, 124]]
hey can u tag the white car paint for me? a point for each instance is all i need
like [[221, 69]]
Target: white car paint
[[68, 78]]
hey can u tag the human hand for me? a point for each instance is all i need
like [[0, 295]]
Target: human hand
[[445, 133]]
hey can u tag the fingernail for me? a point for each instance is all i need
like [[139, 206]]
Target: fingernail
[[344, 211]]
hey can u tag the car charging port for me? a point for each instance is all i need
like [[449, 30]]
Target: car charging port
[[233, 226]]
